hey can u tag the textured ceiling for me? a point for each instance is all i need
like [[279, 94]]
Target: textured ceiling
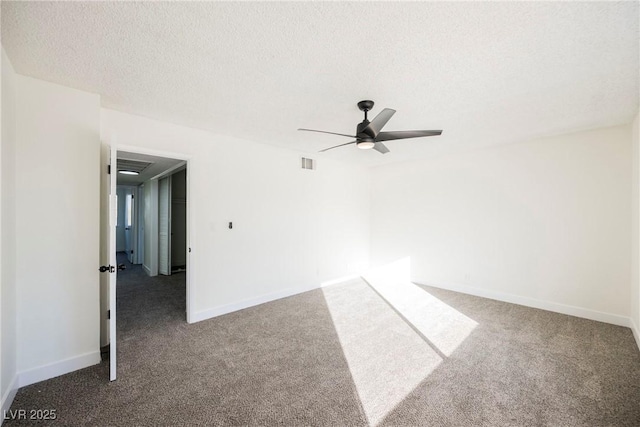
[[485, 72]]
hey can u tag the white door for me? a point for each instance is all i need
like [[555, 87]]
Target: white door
[[108, 254], [113, 263], [164, 226]]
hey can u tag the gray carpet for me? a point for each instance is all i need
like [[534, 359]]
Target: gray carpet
[[344, 356]]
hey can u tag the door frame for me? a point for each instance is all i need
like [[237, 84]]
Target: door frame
[[190, 309]]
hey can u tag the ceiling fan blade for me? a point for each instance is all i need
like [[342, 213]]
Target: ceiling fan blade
[[336, 146], [380, 147], [404, 134], [332, 133], [376, 125]]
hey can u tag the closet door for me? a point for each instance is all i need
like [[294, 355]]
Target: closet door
[[164, 226]]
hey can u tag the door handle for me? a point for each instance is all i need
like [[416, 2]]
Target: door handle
[[122, 267], [105, 268]]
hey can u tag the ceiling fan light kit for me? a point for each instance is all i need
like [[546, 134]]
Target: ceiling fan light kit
[[365, 145], [369, 133]]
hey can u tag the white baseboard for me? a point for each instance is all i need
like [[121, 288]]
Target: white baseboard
[[636, 332], [229, 308], [534, 303], [56, 369], [8, 397]]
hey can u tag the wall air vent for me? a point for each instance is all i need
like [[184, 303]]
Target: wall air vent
[[308, 163]]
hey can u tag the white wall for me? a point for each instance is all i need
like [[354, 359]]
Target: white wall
[[542, 223], [292, 228], [635, 231], [8, 291], [57, 224]]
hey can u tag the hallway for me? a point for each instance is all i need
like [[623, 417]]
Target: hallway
[[145, 304]]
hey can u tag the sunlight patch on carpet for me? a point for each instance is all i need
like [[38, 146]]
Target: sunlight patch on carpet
[[444, 327], [386, 358], [393, 334]]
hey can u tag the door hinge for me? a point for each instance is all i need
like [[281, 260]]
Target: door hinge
[[108, 314], [109, 169]]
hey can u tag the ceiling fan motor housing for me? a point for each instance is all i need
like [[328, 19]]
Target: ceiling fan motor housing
[[361, 133]]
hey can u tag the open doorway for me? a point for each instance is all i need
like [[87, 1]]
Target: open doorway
[[151, 225], [151, 242]]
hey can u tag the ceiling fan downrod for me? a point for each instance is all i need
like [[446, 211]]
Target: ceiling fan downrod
[[365, 106]]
